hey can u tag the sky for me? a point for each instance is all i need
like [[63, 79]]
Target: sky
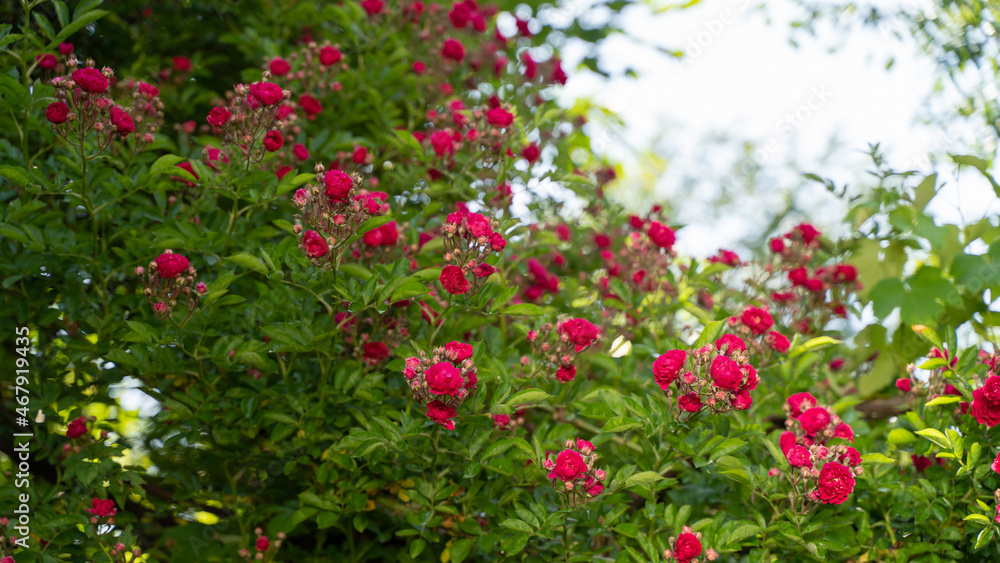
[[741, 79]]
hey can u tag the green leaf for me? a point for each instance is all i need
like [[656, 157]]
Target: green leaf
[[935, 436], [461, 549], [643, 478], [15, 174], [75, 26], [813, 344], [708, 334], [728, 446], [370, 224], [514, 544], [355, 271], [417, 547], [621, 424], [515, 524], [62, 12], [14, 233], [248, 261], [900, 436], [326, 519], [408, 291], [524, 309], [984, 537], [627, 529], [526, 396], [943, 400], [876, 457], [167, 164], [742, 532], [979, 519]]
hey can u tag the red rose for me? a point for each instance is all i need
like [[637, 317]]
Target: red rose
[[478, 225], [273, 141], [359, 155], [267, 93], [182, 64], [687, 548], [443, 379], [441, 414], [732, 344], [566, 373], [499, 117], [800, 402], [996, 464], [991, 389], [375, 352], [661, 235], [569, 465], [338, 185], [787, 442], [984, 410], [263, 543], [531, 153], [373, 7], [453, 50], [920, 463], [310, 105], [419, 67], [218, 116], [65, 48], [668, 366], [76, 428], [807, 232], [851, 457], [814, 420], [148, 90], [580, 332], [102, 507], [171, 265], [742, 400], [836, 483], [497, 243], [442, 143], [47, 61], [904, 384], [57, 112], [777, 341], [845, 273], [843, 430], [90, 79], [501, 421], [798, 456], [279, 67], [483, 271], [329, 56], [458, 351], [453, 280], [757, 320], [122, 121], [689, 403], [726, 373]]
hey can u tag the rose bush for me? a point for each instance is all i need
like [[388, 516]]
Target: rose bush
[[291, 295]]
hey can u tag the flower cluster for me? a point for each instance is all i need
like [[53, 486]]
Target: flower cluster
[[720, 378], [145, 109], [986, 401], [442, 381], [469, 238], [572, 337], [822, 472], [168, 280], [252, 120], [804, 293], [263, 548], [754, 326], [334, 210], [84, 105], [687, 547], [574, 473]]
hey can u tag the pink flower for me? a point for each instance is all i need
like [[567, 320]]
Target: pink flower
[[279, 67], [566, 373], [798, 456], [726, 373], [581, 332], [777, 341], [836, 483], [453, 280], [263, 543], [315, 245], [90, 79], [267, 93], [57, 113], [757, 320], [814, 420], [689, 403], [218, 116], [732, 343], [102, 507], [787, 442], [329, 56], [441, 414], [171, 265], [338, 185], [531, 153], [443, 379], [904, 384], [661, 235], [453, 50], [800, 402], [569, 465], [499, 117], [273, 141], [458, 351], [122, 121], [667, 367]]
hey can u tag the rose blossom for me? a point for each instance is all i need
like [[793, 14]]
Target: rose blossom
[[458, 351], [726, 373], [453, 280], [798, 456], [338, 185], [668, 366], [569, 465], [57, 112], [757, 320], [90, 79], [836, 483], [171, 265], [566, 373], [814, 420], [687, 548], [800, 402], [102, 507], [441, 414], [444, 379], [267, 93], [76, 428], [662, 235], [689, 403], [580, 332], [315, 245]]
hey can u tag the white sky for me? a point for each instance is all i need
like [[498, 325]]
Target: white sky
[[743, 78]]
